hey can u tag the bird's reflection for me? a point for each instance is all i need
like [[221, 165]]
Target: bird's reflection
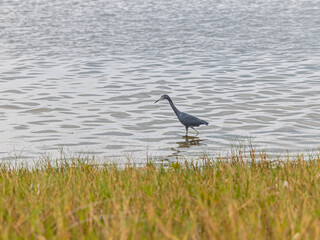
[[189, 141]]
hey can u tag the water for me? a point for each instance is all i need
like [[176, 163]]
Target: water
[[84, 75]]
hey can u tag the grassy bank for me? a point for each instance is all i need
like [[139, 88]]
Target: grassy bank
[[222, 199]]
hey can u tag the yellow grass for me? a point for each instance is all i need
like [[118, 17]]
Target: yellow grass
[[244, 197]]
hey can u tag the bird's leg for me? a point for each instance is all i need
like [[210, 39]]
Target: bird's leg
[[186, 131], [196, 131]]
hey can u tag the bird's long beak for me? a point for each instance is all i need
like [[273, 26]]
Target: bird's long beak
[[157, 101]]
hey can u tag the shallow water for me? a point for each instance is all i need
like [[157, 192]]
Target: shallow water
[[83, 76]]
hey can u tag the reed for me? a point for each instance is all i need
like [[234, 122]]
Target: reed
[[244, 196]]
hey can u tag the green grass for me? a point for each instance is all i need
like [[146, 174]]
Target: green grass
[[244, 197]]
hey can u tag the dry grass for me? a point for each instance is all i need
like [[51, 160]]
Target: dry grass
[[235, 199]]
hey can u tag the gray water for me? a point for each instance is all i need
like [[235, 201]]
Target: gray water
[[84, 75]]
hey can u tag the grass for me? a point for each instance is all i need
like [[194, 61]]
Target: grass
[[244, 197]]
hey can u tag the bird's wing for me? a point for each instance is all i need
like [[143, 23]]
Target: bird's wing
[[190, 120]]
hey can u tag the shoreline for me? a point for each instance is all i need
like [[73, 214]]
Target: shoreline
[[235, 199]]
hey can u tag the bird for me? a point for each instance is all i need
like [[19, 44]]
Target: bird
[[187, 120]]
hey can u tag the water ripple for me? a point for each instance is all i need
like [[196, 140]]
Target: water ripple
[[85, 76]]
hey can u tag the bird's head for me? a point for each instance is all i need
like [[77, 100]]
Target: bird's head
[[163, 97]]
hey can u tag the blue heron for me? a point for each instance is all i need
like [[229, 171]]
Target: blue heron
[[186, 119]]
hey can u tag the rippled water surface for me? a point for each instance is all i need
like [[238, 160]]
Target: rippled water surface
[[84, 75]]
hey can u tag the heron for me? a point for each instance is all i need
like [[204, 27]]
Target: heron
[[187, 120]]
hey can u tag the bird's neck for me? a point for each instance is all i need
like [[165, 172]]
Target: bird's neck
[[173, 106]]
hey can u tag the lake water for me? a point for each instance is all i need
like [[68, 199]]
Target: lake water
[[84, 75]]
